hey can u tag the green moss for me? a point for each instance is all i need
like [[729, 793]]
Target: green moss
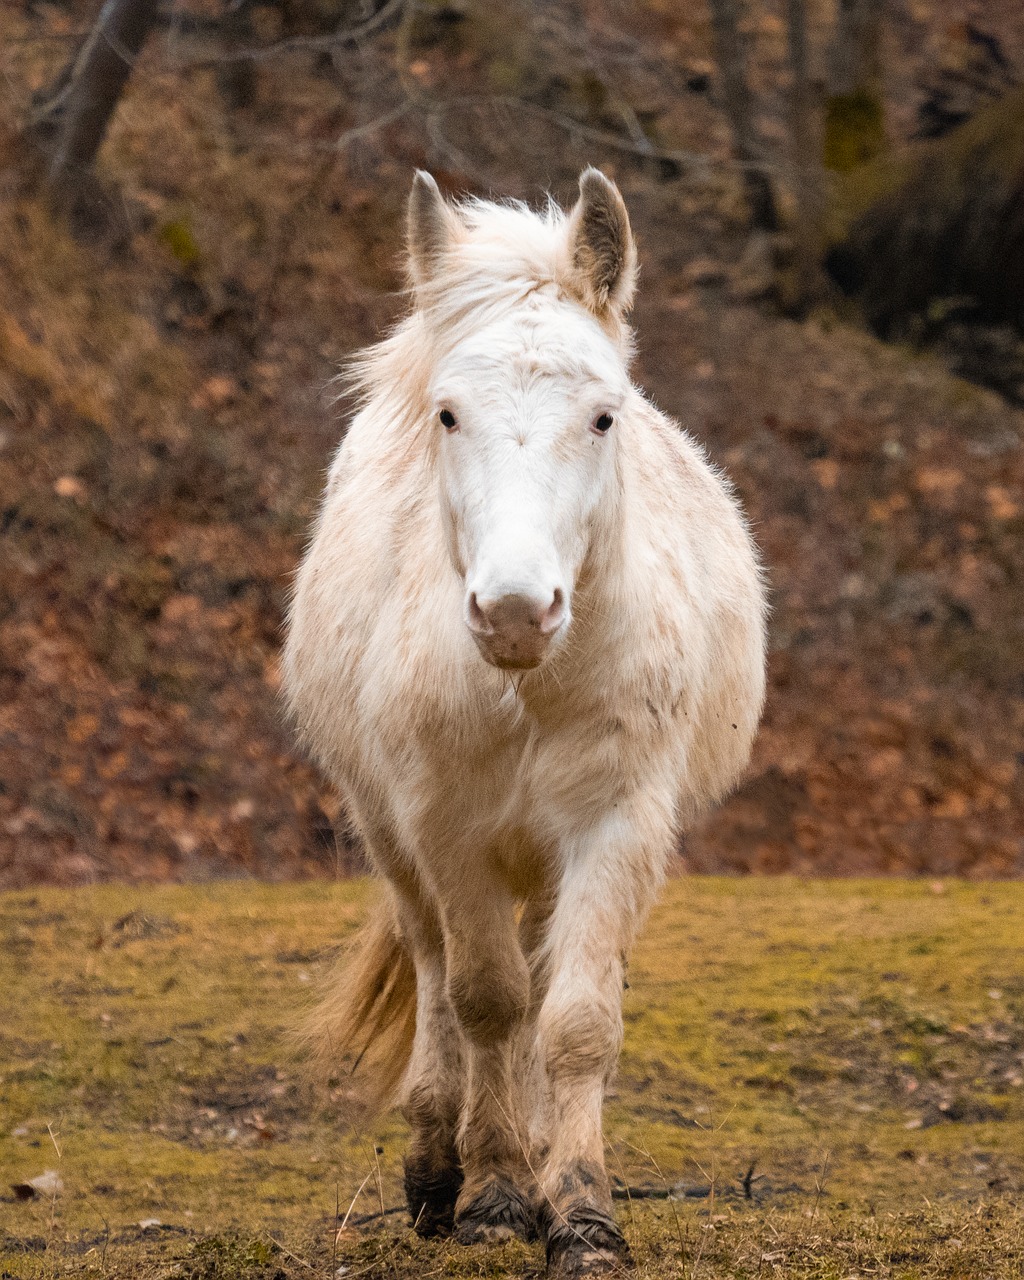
[[891, 221], [854, 130], [861, 1034], [177, 236]]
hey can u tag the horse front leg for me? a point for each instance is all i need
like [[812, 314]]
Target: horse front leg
[[609, 878], [488, 982], [434, 1081], [434, 1088]]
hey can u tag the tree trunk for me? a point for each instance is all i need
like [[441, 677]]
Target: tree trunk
[[855, 59], [805, 142], [237, 77], [854, 112], [739, 108], [91, 93]]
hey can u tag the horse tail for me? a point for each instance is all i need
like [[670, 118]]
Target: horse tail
[[366, 1019]]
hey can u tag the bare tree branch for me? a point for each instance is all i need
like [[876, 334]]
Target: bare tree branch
[[617, 142], [304, 44], [346, 139]]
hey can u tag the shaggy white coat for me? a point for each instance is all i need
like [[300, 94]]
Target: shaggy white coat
[[564, 787]]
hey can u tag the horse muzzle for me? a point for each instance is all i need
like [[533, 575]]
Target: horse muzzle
[[515, 631]]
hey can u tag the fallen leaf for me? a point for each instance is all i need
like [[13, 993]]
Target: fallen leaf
[[69, 487], [826, 472]]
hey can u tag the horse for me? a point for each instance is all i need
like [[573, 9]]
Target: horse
[[527, 644]]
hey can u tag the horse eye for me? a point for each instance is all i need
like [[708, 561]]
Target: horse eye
[[603, 422], [447, 419]]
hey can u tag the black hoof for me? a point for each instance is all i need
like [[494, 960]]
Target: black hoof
[[584, 1241], [431, 1195], [499, 1211]]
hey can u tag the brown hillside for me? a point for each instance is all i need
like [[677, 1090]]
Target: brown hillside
[[165, 422]]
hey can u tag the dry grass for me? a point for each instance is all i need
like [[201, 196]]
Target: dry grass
[[858, 1043]]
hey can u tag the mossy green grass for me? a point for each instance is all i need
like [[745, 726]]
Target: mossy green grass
[[820, 1079]]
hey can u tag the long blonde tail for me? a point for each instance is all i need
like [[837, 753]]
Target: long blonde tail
[[366, 1021]]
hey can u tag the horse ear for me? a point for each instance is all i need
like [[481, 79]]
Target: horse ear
[[430, 226], [601, 246]]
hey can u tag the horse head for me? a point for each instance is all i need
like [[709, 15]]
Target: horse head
[[529, 381]]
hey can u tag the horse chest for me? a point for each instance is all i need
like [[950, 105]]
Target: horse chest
[[524, 780]]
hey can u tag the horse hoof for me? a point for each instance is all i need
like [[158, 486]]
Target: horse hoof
[[498, 1211], [585, 1242], [431, 1199]]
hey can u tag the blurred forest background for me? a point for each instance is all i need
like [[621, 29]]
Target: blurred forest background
[[829, 198]]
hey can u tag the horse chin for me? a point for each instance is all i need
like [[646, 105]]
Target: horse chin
[[517, 665], [511, 657]]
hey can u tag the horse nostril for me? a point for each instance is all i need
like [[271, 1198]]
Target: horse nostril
[[478, 620], [554, 614]]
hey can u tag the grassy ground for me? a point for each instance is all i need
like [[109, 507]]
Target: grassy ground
[[858, 1045]]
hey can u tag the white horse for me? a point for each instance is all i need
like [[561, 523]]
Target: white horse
[[527, 643]]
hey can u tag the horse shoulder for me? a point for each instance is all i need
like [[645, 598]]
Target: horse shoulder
[[702, 648]]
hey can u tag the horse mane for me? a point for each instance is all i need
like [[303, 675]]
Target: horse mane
[[502, 253]]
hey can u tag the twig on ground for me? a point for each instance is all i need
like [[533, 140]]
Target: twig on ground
[[376, 1216], [681, 1191], [625, 1191], [668, 1196], [366, 1217], [337, 1229], [294, 1256], [819, 1184], [383, 1211]]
